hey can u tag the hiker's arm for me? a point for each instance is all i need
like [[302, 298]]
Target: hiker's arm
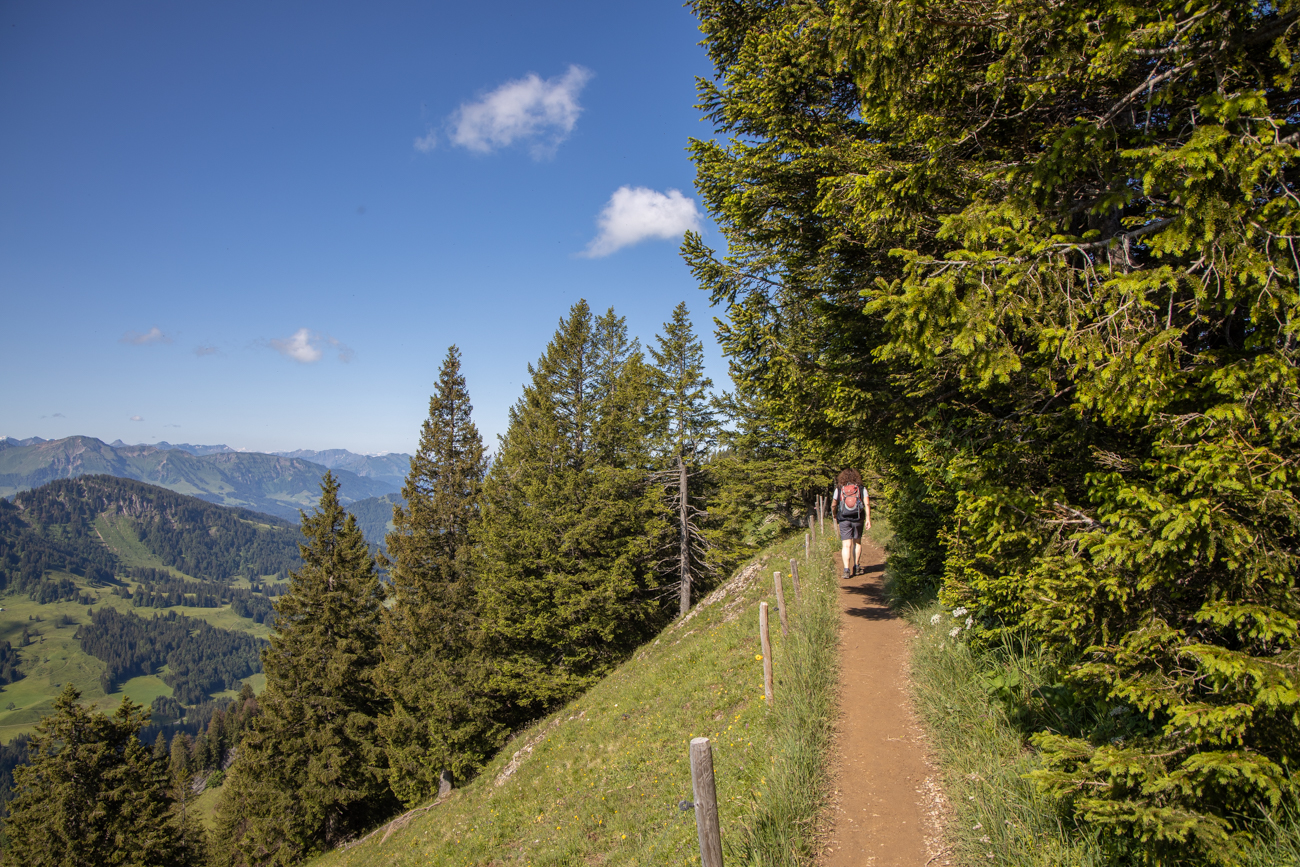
[[866, 500]]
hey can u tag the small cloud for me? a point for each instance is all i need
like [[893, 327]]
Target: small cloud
[[304, 346], [171, 425], [634, 214], [137, 418], [527, 109], [427, 142], [55, 415], [205, 349], [153, 335]]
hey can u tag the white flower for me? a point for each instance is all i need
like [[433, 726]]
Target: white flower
[[956, 630], [934, 621], [970, 621], [959, 612]]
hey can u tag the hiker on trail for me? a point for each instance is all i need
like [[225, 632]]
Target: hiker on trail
[[852, 510]]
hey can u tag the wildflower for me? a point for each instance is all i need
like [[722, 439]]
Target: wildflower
[[956, 630], [959, 612], [970, 621], [758, 656], [934, 621]]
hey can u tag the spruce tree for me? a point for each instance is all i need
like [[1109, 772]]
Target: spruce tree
[[442, 715], [93, 794], [311, 770], [566, 588], [687, 429]]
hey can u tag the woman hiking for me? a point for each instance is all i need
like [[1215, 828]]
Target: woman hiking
[[852, 510]]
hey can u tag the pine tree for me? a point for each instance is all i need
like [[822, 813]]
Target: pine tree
[[687, 429], [443, 713], [93, 794], [311, 770], [565, 587]]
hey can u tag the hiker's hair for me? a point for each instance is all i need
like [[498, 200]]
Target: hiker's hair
[[848, 477]]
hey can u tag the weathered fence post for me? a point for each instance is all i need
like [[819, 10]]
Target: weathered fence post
[[765, 643], [794, 576], [807, 546], [812, 525], [780, 603], [705, 792]]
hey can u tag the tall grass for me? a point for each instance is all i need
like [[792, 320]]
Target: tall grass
[[780, 830], [972, 704]]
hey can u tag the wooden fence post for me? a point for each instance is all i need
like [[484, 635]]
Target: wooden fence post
[[705, 792], [765, 644], [807, 546], [794, 576], [812, 525], [780, 603]]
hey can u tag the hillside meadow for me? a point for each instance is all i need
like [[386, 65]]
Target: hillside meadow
[[605, 779]]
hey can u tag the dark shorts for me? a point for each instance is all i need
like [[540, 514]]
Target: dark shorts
[[851, 530]]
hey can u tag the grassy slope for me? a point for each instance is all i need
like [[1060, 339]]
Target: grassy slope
[[600, 780]]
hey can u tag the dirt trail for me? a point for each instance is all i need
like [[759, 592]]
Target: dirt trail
[[888, 805]]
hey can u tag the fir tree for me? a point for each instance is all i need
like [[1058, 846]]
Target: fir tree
[[93, 794], [687, 429], [689, 426], [311, 770], [566, 588], [443, 713]]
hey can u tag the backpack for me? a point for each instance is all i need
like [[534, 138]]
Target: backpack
[[850, 503]]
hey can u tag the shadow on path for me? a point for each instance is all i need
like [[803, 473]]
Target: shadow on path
[[873, 595]]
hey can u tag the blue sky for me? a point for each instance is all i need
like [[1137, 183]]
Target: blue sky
[[263, 223]]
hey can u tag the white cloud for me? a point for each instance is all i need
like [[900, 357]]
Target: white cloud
[[137, 418], [206, 349], [542, 112], [426, 142], [153, 335], [305, 346], [634, 214]]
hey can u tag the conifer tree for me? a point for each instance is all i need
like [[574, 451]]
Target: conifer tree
[[566, 588], [443, 713], [687, 428], [311, 770], [93, 794]]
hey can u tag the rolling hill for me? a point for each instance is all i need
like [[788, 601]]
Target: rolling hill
[[122, 587], [274, 484]]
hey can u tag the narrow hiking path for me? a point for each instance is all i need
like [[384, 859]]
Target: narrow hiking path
[[887, 806]]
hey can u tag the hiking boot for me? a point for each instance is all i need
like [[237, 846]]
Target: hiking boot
[[846, 573]]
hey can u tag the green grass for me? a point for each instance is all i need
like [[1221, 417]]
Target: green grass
[[600, 780], [996, 816]]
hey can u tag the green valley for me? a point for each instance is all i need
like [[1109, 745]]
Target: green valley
[[75, 550]]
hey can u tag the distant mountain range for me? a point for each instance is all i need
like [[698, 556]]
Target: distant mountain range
[[277, 485]]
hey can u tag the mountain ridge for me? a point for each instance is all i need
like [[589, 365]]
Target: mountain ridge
[[273, 484]]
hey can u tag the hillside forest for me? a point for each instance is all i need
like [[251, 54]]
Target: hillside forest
[[1032, 266]]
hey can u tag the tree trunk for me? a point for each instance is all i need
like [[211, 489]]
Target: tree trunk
[[685, 538]]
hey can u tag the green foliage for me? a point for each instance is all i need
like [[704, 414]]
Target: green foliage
[[312, 769], [94, 794], [443, 714], [566, 580], [1041, 260]]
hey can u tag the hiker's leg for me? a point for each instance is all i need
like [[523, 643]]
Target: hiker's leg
[[846, 555]]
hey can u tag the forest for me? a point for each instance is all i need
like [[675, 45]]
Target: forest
[[200, 658]]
